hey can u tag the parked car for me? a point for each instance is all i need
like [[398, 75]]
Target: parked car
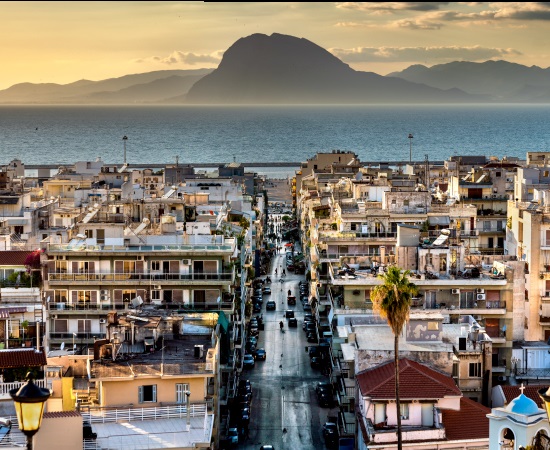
[[260, 354], [323, 387], [326, 400], [316, 362], [233, 436], [313, 350], [266, 290], [312, 338], [270, 306], [307, 307], [310, 327], [330, 433], [257, 307], [248, 361], [252, 340], [308, 317], [292, 322]]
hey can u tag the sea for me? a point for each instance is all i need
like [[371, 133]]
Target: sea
[[211, 134]]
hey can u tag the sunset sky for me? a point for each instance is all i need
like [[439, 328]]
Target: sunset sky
[[61, 42]]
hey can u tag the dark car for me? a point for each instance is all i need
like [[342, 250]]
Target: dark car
[[312, 338], [316, 362], [248, 362], [292, 322], [310, 327], [270, 306], [330, 433], [244, 399], [289, 314], [308, 317], [257, 307], [245, 415], [260, 354], [313, 350], [326, 399], [266, 290], [323, 387], [291, 300], [267, 447]]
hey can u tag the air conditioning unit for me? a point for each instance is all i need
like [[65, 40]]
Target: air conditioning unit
[[455, 291], [480, 291], [186, 262], [103, 292], [102, 320], [480, 296], [140, 258], [104, 298]]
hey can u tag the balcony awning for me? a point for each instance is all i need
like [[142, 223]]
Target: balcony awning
[[439, 220]]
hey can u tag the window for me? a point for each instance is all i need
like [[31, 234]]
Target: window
[[181, 388], [84, 326], [404, 411], [89, 234], [84, 296], [429, 259], [405, 203], [475, 370], [60, 326], [147, 393], [60, 296], [155, 265], [156, 295]]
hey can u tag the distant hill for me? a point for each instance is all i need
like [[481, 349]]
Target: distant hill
[[505, 81], [288, 70], [138, 88]]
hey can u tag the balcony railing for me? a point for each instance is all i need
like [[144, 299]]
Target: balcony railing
[[491, 230], [78, 337], [115, 276], [56, 248], [347, 235], [135, 414], [89, 306], [5, 388]]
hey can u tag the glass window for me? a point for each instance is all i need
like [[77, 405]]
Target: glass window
[[181, 388], [475, 370], [404, 411], [147, 393]]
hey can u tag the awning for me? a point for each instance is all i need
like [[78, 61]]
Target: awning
[[222, 320], [16, 221], [439, 220]]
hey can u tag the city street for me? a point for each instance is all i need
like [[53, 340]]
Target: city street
[[285, 411]]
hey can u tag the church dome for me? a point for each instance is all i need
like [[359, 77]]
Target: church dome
[[523, 405]]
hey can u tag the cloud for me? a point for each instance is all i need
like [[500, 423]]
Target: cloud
[[392, 6], [424, 54], [190, 59]]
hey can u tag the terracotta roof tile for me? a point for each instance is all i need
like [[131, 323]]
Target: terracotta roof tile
[[5, 312], [531, 391], [13, 257], [416, 382], [22, 357], [61, 414], [471, 422]]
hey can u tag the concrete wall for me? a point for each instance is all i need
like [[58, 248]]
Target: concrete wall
[[125, 392], [61, 432]]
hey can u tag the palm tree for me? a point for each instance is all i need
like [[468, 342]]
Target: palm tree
[[392, 300]]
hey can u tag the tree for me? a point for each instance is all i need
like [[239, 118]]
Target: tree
[[392, 300]]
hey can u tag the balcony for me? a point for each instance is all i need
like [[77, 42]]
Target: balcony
[[6, 387], [491, 230], [80, 337], [138, 249], [469, 384], [78, 308], [380, 435], [353, 236], [117, 278]]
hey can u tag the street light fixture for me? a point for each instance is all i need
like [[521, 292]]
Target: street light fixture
[[29, 402], [410, 147]]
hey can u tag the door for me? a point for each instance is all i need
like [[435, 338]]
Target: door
[[427, 415]]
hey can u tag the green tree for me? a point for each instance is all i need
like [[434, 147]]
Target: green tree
[[392, 300]]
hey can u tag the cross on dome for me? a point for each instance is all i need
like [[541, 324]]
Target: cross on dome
[[522, 388]]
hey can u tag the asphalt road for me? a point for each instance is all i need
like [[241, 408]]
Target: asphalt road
[[284, 411]]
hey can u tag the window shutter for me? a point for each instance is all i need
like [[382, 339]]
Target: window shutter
[[140, 394], [154, 392], [74, 266], [119, 266], [93, 297], [91, 267], [174, 267], [177, 296], [51, 266], [74, 297], [139, 266], [118, 296]]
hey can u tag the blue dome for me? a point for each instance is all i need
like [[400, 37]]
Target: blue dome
[[523, 405]]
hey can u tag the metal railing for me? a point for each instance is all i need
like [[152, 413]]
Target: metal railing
[[154, 413], [122, 276], [346, 235], [5, 388], [54, 248]]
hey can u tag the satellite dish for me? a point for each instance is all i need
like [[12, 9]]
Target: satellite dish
[[63, 346]]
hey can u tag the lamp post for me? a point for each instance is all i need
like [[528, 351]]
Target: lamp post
[[29, 402], [410, 147], [187, 395], [74, 345]]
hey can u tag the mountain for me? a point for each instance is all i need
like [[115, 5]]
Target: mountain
[[288, 70], [136, 88], [502, 80]]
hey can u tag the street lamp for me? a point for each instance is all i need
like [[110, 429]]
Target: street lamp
[[29, 402], [187, 395], [124, 139], [74, 345], [410, 147]]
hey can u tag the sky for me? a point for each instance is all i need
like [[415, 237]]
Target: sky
[[62, 42]]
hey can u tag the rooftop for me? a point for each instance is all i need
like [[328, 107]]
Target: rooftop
[[471, 422], [22, 357], [417, 381]]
